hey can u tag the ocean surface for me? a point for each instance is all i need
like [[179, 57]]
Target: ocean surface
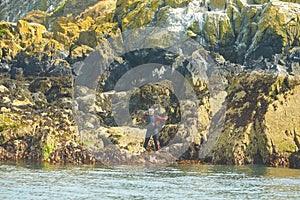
[[45, 181]]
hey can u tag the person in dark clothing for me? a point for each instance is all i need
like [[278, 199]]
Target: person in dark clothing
[[152, 128]]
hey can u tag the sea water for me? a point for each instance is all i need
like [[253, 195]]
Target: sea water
[[45, 181]]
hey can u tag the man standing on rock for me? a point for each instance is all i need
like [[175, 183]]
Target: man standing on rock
[[152, 128]]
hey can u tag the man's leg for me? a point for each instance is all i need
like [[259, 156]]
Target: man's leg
[[146, 142], [155, 138]]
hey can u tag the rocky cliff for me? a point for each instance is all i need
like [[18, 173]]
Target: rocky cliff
[[13, 10], [62, 61]]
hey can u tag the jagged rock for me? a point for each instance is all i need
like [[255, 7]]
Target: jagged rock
[[33, 65], [127, 138], [292, 1], [281, 29], [39, 98], [65, 31], [30, 32], [140, 13], [79, 53], [219, 30], [102, 11], [294, 54], [277, 160], [243, 25], [33, 125], [8, 46]]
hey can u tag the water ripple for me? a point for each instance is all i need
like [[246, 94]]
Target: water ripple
[[152, 182]]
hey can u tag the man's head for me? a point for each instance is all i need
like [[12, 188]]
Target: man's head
[[151, 111]]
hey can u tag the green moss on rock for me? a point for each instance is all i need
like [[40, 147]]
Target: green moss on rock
[[218, 30], [279, 22]]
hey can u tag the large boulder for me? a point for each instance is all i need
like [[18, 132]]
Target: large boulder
[[259, 126]]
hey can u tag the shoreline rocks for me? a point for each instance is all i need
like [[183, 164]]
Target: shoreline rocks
[[42, 54]]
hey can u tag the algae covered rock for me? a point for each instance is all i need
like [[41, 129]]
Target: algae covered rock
[[127, 138], [218, 4], [135, 14], [30, 33], [278, 22], [219, 30], [9, 41], [249, 29], [254, 132], [39, 125], [282, 116]]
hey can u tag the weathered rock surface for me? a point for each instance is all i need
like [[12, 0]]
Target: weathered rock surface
[[44, 51], [38, 124], [261, 121], [241, 31]]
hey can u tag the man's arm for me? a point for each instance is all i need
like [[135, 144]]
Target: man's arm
[[158, 118]]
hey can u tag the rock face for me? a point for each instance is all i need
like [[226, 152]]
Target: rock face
[[60, 67], [36, 121], [111, 99], [240, 31], [259, 126]]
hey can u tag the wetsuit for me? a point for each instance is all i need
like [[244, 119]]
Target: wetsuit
[[152, 129]]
